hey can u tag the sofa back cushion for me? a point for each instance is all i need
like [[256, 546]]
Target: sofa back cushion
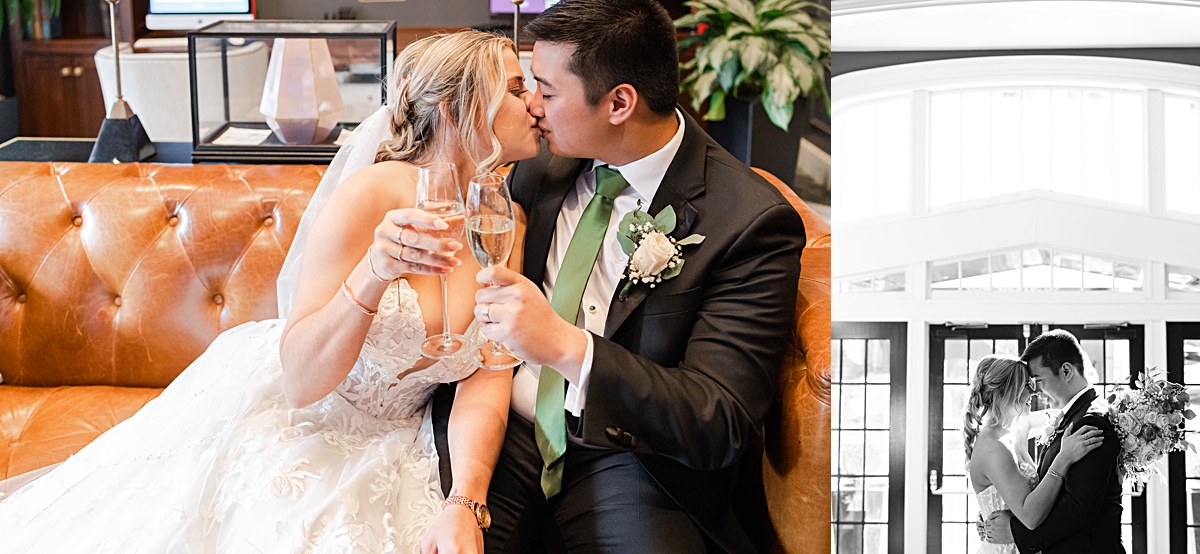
[[123, 274]]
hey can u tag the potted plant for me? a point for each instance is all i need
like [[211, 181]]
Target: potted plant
[[755, 66]]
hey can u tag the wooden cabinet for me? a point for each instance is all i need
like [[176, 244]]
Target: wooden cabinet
[[58, 88], [57, 85]]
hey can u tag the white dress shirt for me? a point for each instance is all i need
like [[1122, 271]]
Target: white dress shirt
[[644, 177]]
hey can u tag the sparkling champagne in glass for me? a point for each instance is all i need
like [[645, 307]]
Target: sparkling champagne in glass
[[438, 193], [491, 230]]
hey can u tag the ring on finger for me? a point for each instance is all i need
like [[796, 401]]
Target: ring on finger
[[486, 313]]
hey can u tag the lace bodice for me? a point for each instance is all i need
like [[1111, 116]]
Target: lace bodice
[[989, 498], [378, 384]]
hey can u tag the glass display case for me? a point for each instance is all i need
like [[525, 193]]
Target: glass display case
[[285, 91]]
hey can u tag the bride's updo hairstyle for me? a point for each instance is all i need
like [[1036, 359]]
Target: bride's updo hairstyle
[[441, 84], [997, 384]]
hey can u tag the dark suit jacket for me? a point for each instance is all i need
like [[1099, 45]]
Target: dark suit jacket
[[686, 372], [1086, 517]]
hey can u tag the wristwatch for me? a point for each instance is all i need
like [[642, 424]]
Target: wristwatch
[[482, 516]]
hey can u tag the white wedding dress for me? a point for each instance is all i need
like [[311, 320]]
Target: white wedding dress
[[219, 463], [989, 501]]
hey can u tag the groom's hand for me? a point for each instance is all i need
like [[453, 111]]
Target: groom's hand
[[454, 531], [516, 313], [999, 526]]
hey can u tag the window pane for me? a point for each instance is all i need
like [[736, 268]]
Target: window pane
[[1097, 144], [878, 359], [1068, 274], [853, 406], [1128, 277], [1183, 280], [975, 274], [944, 275], [853, 360], [955, 365], [877, 450], [1182, 149], [954, 400], [878, 406], [1098, 274], [1128, 169], [872, 166], [1065, 126]]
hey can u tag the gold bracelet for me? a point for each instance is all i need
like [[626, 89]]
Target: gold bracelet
[[349, 295], [371, 265]]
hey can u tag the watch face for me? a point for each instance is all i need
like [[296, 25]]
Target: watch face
[[484, 516]]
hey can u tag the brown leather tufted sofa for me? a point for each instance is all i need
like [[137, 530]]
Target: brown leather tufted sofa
[[113, 278]]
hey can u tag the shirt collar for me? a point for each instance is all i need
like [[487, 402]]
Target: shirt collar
[[1067, 406], [645, 175]]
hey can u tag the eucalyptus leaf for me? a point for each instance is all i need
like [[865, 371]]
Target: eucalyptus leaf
[[665, 220], [692, 239], [627, 245], [673, 271]]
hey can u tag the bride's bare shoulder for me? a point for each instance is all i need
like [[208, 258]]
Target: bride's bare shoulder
[[383, 179]]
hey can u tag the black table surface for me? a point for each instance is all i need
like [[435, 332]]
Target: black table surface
[[42, 149]]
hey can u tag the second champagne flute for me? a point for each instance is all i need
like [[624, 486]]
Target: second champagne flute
[[491, 230], [438, 193]]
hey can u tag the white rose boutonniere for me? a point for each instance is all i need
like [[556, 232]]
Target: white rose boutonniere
[[1050, 432], [653, 255]]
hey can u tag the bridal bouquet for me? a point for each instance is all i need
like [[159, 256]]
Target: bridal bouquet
[[1149, 420]]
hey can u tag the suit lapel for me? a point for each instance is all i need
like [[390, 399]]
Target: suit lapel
[[556, 182], [683, 182], [1074, 413]]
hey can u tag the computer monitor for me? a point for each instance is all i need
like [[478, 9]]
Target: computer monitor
[[530, 7], [193, 14]]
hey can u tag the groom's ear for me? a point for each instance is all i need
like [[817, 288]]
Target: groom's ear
[[1066, 370], [621, 101]]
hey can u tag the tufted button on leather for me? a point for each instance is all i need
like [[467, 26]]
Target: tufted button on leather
[[173, 221], [218, 299], [269, 221], [117, 301], [614, 433], [21, 298], [77, 221]]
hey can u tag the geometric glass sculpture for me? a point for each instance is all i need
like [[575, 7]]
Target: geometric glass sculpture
[[301, 100]]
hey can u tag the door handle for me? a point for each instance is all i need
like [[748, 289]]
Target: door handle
[[65, 71], [77, 71]]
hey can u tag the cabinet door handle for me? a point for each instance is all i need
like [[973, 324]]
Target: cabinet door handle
[[78, 71], [65, 71]]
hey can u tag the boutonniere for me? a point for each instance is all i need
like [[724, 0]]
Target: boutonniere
[[653, 255], [1051, 431]]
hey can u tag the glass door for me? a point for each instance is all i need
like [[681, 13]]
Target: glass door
[[867, 437], [1183, 468]]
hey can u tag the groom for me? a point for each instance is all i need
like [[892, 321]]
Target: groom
[[1086, 517], [631, 413]]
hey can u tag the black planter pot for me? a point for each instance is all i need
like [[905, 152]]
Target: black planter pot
[[749, 135]]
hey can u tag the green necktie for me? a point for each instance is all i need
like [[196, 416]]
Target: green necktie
[[550, 426]]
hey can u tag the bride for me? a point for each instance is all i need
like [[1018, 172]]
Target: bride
[[313, 433], [996, 430]]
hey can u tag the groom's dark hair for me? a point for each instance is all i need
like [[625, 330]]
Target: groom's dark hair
[[616, 41], [1056, 348]]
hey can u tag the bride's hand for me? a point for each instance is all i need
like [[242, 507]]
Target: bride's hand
[[410, 241], [1078, 444]]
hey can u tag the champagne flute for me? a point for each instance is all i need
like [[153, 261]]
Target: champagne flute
[[438, 193], [491, 230]]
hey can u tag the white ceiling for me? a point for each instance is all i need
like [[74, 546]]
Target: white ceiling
[[883, 25]]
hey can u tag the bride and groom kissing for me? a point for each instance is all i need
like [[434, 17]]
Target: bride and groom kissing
[[1070, 500], [622, 432]]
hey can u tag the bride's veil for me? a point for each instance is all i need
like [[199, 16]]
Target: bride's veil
[[356, 153]]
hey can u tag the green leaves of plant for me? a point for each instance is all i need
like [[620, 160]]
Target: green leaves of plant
[[771, 51]]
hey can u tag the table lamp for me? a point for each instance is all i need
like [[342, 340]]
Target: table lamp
[[517, 24], [122, 138]]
